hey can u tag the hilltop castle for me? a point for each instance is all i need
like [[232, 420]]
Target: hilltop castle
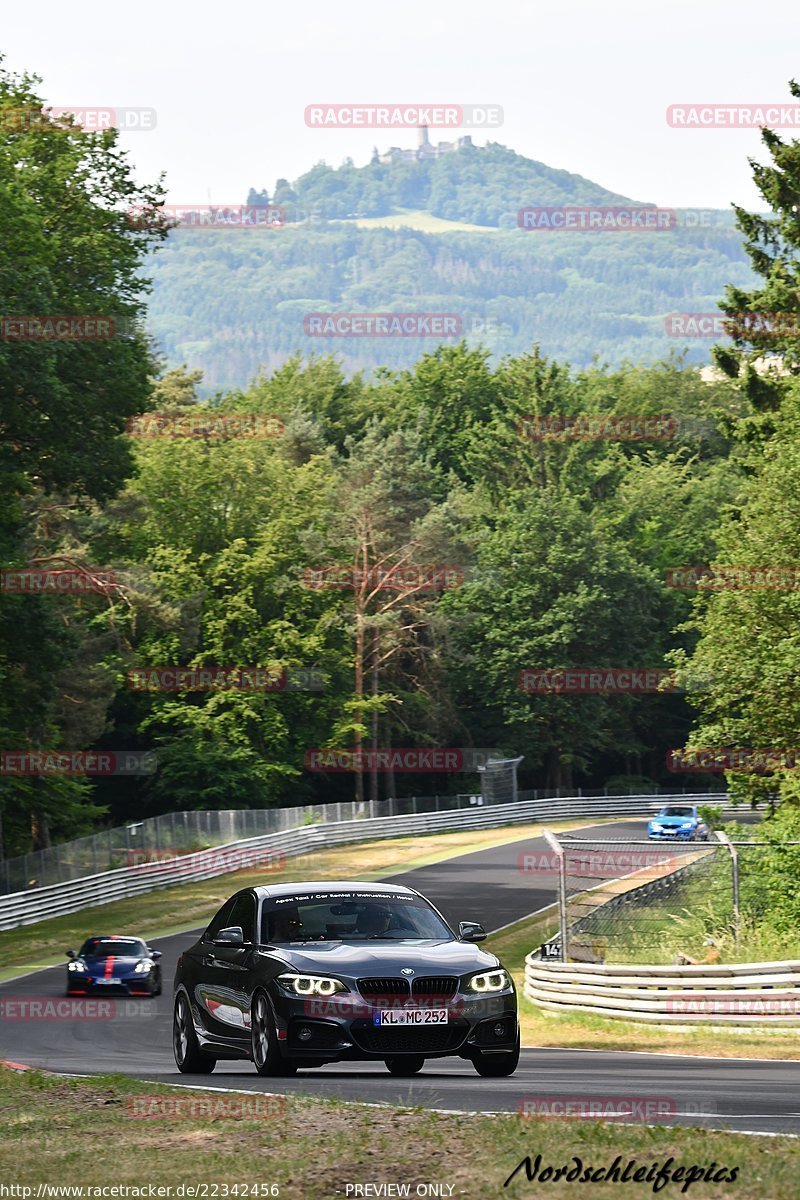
[[425, 151]]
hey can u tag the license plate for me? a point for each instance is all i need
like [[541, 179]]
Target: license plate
[[105, 980], [411, 1016]]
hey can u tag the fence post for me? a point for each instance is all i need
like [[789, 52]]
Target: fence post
[[723, 837], [558, 850]]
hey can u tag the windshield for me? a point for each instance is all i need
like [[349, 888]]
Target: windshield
[[350, 917], [676, 812], [100, 947]]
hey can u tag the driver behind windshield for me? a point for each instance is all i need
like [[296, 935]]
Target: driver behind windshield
[[373, 921], [285, 925]]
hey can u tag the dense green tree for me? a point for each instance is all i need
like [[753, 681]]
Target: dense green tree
[[765, 319], [68, 249]]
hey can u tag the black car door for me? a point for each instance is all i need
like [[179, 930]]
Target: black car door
[[228, 969], [207, 975]]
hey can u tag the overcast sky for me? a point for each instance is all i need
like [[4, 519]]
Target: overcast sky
[[584, 86]]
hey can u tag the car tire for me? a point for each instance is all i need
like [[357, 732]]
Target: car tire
[[158, 988], [189, 1057], [264, 1049], [409, 1064], [494, 1066]]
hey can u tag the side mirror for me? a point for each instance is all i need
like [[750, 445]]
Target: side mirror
[[155, 954], [70, 954], [232, 936], [471, 931]]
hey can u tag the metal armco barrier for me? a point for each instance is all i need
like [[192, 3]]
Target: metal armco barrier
[[55, 900], [745, 994]]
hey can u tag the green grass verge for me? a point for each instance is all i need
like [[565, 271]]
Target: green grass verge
[[579, 1031], [83, 1132], [701, 907]]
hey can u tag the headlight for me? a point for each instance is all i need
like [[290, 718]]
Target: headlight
[[654, 825], [490, 981], [76, 966], [687, 825], [310, 985], [143, 967]]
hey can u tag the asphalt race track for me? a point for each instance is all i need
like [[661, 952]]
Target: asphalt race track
[[752, 1095]]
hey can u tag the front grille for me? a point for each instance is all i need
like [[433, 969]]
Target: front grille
[[409, 1040], [384, 987], [435, 985]]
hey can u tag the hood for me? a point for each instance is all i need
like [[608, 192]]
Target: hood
[[387, 958], [111, 967]]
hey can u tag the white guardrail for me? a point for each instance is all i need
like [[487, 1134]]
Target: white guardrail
[[55, 900], [765, 993]]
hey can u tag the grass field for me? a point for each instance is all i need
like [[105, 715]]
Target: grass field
[[423, 221], [541, 1027], [86, 1132]]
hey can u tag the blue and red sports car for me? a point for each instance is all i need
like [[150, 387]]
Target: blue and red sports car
[[114, 964]]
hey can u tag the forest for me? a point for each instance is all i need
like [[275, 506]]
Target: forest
[[391, 550]]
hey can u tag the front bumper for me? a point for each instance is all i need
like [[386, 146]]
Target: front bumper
[[671, 835], [127, 985], [344, 1027]]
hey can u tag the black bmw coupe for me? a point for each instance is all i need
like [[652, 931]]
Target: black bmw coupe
[[300, 975]]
